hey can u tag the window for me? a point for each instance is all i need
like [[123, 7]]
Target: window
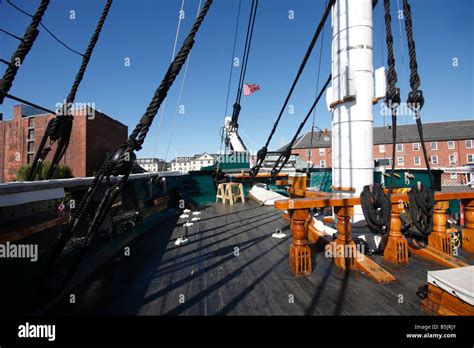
[[453, 176], [450, 144], [399, 147], [434, 159], [382, 148], [31, 134], [322, 151], [452, 159], [470, 158], [416, 146], [400, 161], [31, 122], [31, 146], [433, 146], [416, 160], [30, 158], [322, 163], [468, 144], [308, 152]]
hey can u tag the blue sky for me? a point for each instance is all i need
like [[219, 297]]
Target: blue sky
[[144, 31]]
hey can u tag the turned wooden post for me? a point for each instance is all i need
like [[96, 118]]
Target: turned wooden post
[[439, 238], [343, 249], [396, 250], [300, 254], [468, 230]]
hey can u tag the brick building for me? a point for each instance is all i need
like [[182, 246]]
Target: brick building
[[94, 134], [449, 144]]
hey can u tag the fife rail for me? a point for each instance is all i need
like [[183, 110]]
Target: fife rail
[[439, 248]]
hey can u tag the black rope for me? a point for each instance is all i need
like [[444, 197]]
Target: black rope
[[60, 127], [285, 155], [421, 208], [10, 34], [75, 244], [4, 61], [377, 208], [23, 101], [317, 88], [261, 154], [392, 96], [233, 57], [22, 51], [415, 99], [47, 30], [248, 42]]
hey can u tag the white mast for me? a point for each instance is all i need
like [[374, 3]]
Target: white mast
[[352, 93]]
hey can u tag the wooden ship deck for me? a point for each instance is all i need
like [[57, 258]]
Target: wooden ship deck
[[233, 266]]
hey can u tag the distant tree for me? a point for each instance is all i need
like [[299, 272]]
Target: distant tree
[[62, 172]]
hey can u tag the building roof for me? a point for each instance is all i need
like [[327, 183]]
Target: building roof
[[436, 131], [150, 160], [181, 159]]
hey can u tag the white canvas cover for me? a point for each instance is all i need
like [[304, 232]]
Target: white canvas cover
[[264, 196], [458, 282]]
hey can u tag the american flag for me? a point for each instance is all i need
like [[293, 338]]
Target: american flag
[[249, 89]]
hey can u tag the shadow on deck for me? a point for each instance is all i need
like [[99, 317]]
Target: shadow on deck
[[232, 266]]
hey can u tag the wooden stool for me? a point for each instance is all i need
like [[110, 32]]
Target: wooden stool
[[221, 191], [233, 195]]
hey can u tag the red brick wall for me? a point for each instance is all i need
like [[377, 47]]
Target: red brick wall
[[84, 154], [408, 154], [315, 157], [103, 135]]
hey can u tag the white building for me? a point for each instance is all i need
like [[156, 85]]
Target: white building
[[192, 163], [152, 164]]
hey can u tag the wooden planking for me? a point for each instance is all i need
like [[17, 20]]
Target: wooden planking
[[257, 282]]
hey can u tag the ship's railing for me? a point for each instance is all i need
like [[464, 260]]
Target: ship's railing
[[22, 186], [21, 192], [439, 248]]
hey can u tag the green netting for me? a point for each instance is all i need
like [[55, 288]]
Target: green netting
[[321, 180], [419, 174]]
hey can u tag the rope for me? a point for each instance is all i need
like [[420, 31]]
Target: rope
[[179, 96], [317, 88], [421, 208], [392, 97], [377, 209], [11, 35], [47, 30], [163, 108], [120, 163], [23, 101], [284, 157], [22, 51], [421, 205], [248, 42], [60, 128], [415, 99], [233, 56], [261, 154]]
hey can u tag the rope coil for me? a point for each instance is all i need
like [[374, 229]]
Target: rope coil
[[421, 208], [377, 208]]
